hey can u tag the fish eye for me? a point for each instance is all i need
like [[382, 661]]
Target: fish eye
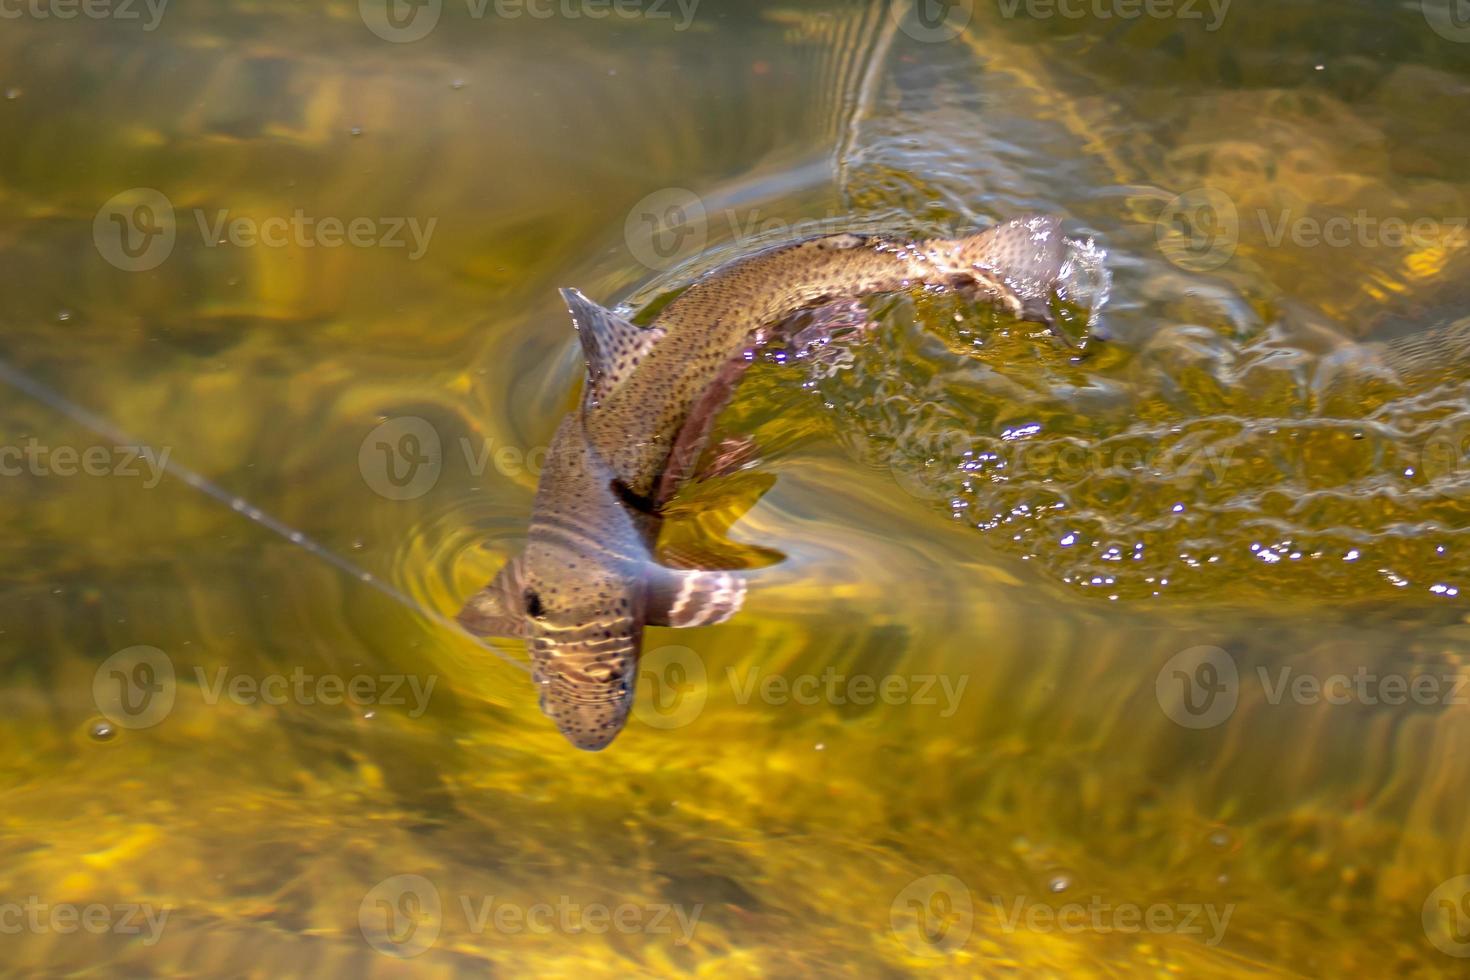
[[534, 608]]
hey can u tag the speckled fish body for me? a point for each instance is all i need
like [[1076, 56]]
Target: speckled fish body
[[588, 582]]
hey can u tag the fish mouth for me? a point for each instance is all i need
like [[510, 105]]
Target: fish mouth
[[593, 741], [590, 730], [589, 711]]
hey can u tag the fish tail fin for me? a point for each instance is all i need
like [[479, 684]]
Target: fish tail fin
[[1037, 264], [1028, 253]]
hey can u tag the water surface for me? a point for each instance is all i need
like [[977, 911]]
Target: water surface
[[1091, 584]]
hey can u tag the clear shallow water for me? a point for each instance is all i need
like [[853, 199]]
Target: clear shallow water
[[1040, 746]]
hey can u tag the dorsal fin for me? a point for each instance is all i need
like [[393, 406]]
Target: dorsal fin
[[612, 345]]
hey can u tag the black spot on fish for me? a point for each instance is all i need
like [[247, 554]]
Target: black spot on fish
[[534, 608]]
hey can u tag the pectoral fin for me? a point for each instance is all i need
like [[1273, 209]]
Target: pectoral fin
[[612, 345], [693, 598], [497, 609]]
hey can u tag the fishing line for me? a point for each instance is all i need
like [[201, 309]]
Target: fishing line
[[101, 426]]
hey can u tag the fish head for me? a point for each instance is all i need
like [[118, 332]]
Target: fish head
[[582, 620], [584, 631]]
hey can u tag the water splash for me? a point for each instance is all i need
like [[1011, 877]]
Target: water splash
[[1084, 279]]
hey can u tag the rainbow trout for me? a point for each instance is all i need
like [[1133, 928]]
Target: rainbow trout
[[588, 580]]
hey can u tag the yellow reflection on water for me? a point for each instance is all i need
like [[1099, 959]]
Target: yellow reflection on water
[[921, 749]]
